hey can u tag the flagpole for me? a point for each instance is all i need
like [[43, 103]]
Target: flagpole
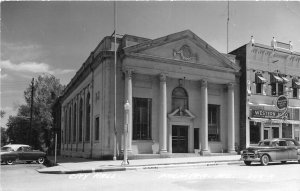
[[227, 23], [115, 82]]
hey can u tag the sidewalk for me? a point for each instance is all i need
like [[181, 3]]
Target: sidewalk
[[68, 165]]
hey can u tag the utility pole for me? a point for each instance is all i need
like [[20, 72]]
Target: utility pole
[[31, 111]]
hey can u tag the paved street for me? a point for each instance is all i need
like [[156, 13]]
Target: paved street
[[227, 177]]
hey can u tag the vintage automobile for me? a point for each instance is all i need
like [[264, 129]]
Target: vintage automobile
[[17, 152], [272, 150]]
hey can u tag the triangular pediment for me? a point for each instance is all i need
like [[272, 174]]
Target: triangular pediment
[[184, 46], [181, 113]]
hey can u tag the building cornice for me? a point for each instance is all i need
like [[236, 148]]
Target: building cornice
[[185, 63]]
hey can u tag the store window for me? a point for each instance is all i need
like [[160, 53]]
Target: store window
[[254, 132], [213, 122], [142, 108], [287, 130], [297, 132], [179, 99]]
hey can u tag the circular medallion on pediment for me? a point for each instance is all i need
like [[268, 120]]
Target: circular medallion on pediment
[[186, 52]]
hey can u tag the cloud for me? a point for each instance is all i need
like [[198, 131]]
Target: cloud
[[29, 52], [33, 67], [26, 66]]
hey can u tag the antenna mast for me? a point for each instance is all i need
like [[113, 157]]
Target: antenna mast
[[227, 23]]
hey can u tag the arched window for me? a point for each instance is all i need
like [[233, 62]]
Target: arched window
[[88, 117], [74, 123], [179, 99], [80, 120]]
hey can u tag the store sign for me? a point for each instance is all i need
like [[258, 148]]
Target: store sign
[[259, 113], [282, 102]]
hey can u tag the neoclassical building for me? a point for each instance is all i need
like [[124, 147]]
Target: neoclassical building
[[269, 73], [184, 98]]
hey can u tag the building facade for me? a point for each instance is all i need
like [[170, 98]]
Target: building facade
[[184, 98], [270, 75]]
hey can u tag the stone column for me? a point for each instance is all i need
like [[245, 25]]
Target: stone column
[[231, 128], [204, 119], [163, 115], [128, 96]]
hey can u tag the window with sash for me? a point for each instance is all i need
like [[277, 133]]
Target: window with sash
[[142, 108], [213, 122]]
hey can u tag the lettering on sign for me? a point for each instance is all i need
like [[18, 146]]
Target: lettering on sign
[[267, 114]]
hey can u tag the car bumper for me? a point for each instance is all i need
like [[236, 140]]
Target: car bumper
[[252, 158]]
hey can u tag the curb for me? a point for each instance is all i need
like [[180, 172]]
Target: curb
[[141, 167]]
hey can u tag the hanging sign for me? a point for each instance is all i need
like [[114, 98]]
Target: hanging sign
[[282, 102]]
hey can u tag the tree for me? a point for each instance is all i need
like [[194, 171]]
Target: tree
[[4, 136], [46, 90]]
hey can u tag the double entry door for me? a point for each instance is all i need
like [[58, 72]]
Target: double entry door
[[179, 139], [271, 132]]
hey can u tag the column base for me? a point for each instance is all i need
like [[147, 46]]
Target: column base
[[232, 152], [163, 152], [205, 153]]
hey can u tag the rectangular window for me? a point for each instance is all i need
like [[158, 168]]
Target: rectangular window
[[196, 138], [258, 88], [142, 118], [295, 93], [287, 130], [280, 89], [97, 129], [254, 132], [297, 132], [213, 122], [273, 89]]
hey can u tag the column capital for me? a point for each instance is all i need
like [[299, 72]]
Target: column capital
[[162, 77], [230, 86], [203, 83], [128, 72]]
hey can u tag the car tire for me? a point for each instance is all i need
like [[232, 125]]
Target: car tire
[[248, 163], [41, 160], [264, 160], [299, 161], [28, 162], [9, 162], [283, 162]]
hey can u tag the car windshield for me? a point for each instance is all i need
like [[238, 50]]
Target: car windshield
[[6, 149], [264, 143]]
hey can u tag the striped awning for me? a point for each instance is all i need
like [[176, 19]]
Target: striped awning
[[296, 83], [259, 79], [275, 78], [285, 79]]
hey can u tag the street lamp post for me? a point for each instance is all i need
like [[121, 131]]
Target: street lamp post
[[126, 108]]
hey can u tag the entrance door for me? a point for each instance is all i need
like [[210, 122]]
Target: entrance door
[[271, 132], [179, 139]]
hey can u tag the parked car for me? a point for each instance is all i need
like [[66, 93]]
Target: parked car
[[272, 150], [13, 152]]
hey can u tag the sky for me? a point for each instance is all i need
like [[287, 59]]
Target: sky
[[45, 37]]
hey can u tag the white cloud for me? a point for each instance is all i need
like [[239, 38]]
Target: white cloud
[[32, 67], [26, 66]]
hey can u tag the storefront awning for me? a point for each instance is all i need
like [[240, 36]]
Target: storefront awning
[[276, 79], [259, 79], [296, 83], [285, 80]]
